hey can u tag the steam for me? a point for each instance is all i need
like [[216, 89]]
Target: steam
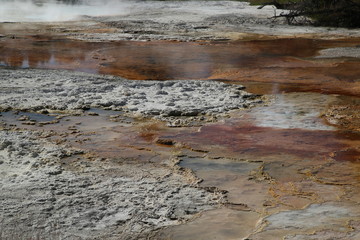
[[57, 10]]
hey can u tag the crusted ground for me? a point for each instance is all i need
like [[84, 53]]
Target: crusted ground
[[54, 191], [35, 90], [287, 174]]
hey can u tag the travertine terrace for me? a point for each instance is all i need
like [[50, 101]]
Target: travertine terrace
[[176, 120]]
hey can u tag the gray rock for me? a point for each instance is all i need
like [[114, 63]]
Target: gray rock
[[147, 98], [46, 200]]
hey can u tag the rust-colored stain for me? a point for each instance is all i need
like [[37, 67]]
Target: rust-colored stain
[[262, 141], [344, 114], [287, 63], [348, 155]]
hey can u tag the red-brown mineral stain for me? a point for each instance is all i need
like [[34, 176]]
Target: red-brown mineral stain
[[262, 141], [284, 62]]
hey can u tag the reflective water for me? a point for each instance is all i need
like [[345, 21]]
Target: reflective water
[[13, 116], [273, 65]]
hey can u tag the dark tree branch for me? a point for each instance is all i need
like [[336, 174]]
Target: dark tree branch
[[338, 13]]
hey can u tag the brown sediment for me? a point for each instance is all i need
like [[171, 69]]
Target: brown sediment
[[282, 182], [322, 77], [266, 141], [282, 169], [344, 114], [124, 141], [234, 224], [280, 64]]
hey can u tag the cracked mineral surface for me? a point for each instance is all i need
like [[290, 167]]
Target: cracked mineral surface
[[87, 154], [42, 196], [35, 90]]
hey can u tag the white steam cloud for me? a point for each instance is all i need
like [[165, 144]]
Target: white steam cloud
[[58, 10]]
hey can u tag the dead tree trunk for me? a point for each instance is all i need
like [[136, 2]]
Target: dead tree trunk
[[336, 13]]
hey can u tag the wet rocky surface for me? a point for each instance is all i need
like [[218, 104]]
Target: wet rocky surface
[[55, 191], [108, 187], [38, 90], [344, 114], [89, 156], [305, 64], [288, 175]]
